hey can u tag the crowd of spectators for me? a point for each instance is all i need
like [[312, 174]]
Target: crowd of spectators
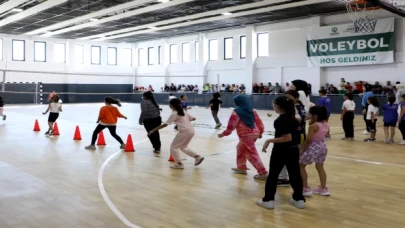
[[358, 87]]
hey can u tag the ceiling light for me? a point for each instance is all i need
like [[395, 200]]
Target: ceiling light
[[93, 19], [226, 13], [152, 27], [163, 1], [17, 10]]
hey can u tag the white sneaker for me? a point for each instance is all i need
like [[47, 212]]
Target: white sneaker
[[402, 142], [90, 147], [365, 132], [198, 160], [267, 205], [300, 204]]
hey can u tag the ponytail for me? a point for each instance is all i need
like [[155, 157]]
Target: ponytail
[[149, 96], [110, 100], [176, 105], [286, 104]]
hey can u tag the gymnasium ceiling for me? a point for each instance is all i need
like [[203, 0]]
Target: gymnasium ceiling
[[139, 20]]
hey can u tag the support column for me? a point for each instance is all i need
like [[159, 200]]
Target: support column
[[166, 60], [203, 56]]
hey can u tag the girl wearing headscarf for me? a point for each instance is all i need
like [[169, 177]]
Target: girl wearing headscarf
[[302, 88], [249, 128]]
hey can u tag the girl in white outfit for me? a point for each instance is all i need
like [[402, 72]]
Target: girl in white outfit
[[183, 138], [54, 108]]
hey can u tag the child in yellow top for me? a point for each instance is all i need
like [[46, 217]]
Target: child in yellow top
[[108, 118]]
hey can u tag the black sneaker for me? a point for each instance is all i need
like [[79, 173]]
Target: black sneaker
[[47, 133], [283, 183], [369, 140]]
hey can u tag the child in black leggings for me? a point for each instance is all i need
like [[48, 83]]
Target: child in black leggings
[[285, 153], [108, 118]]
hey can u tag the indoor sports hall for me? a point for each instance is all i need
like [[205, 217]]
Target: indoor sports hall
[[82, 80]]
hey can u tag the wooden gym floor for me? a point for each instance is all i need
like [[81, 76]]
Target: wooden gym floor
[[54, 182]]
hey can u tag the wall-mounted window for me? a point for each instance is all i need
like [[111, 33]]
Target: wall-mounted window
[[142, 57], [242, 47], [18, 50], [185, 49], [262, 44], [1, 49], [197, 50], [228, 48], [151, 56], [160, 55], [79, 54], [39, 51], [59, 52], [126, 57], [112, 56], [96, 55], [213, 50], [173, 53]]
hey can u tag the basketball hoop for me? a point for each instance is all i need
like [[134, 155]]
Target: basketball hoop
[[363, 14]]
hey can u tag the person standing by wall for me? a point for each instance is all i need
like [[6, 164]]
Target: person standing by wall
[[150, 119]]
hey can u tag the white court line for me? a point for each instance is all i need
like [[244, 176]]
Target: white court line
[[366, 161], [104, 193]]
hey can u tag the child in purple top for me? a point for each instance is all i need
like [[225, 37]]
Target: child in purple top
[[325, 102], [390, 118]]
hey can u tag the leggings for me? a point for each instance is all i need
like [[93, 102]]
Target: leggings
[[281, 157], [402, 128], [215, 115], [347, 123], [111, 128]]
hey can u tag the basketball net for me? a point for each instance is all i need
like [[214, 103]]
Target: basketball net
[[363, 16]]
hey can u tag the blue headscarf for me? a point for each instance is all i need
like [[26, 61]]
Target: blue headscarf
[[244, 109]]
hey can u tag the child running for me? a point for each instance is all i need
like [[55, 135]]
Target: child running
[[2, 108], [249, 128], [53, 108], [214, 105], [371, 117], [347, 117], [285, 153], [314, 150], [401, 120], [184, 102], [390, 118], [183, 138], [108, 118], [325, 102]]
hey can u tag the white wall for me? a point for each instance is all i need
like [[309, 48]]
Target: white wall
[[68, 72], [286, 61]]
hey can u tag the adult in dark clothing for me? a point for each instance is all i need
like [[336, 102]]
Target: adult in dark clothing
[[150, 119]]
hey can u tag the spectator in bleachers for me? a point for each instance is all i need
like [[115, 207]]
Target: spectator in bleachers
[[172, 88], [232, 88], [206, 87], [349, 88], [150, 88], [167, 88], [309, 89], [270, 87], [342, 86], [388, 88], [222, 88], [236, 90], [287, 87], [377, 88], [400, 91], [277, 89], [359, 87], [255, 88], [242, 87], [332, 89], [228, 88], [261, 88], [195, 89]]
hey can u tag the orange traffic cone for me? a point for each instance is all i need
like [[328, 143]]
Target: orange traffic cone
[[130, 145], [171, 159], [101, 140], [55, 129], [36, 126], [77, 135]]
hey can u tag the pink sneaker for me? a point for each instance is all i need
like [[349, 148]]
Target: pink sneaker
[[322, 191], [307, 192]]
